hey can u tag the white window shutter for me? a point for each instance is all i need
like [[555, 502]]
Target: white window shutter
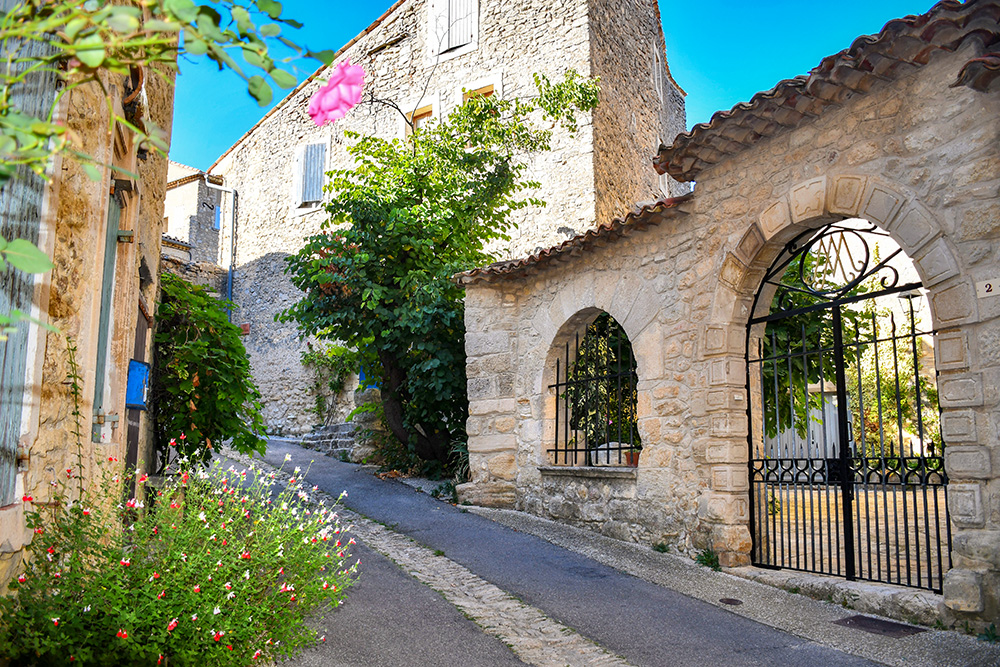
[[313, 163], [460, 22]]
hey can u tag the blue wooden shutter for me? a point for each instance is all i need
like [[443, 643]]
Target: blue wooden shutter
[[313, 163], [20, 217], [460, 22]]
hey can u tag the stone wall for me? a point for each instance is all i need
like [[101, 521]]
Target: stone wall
[[189, 212], [914, 156], [199, 273], [74, 220], [515, 39], [641, 105]]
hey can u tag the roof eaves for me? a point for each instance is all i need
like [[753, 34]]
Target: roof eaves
[[901, 45], [638, 220]]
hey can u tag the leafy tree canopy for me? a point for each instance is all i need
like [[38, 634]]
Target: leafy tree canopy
[[403, 220]]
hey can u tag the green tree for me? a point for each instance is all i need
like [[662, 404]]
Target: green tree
[[202, 388], [409, 215]]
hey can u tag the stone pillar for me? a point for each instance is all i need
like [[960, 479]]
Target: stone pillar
[[491, 365]]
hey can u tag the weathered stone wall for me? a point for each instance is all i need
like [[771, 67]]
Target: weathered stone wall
[[190, 213], [74, 220], [199, 273], [641, 106], [515, 39], [914, 156]]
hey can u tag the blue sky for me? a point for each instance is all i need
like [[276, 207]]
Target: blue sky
[[720, 52]]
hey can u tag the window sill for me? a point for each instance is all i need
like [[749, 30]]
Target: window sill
[[306, 209], [619, 472]]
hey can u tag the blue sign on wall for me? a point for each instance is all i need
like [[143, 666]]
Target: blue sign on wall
[[137, 389]]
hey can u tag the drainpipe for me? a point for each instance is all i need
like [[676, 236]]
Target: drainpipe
[[232, 244]]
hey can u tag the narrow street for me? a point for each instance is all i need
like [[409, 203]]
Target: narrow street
[[445, 585]]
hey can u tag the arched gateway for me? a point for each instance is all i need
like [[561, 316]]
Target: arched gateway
[[846, 460]]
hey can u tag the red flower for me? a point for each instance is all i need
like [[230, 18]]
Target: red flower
[[172, 625], [51, 550], [156, 575], [122, 634], [26, 499], [22, 579], [38, 531], [197, 588], [126, 562], [162, 593], [246, 555], [218, 635], [143, 478], [229, 646]]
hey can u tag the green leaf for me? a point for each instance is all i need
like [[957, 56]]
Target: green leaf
[[194, 45], [270, 7], [90, 51], [242, 18], [258, 87], [184, 10], [157, 25], [252, 57], [26, 256], [74, 27], [92, 172], [270, 30], [283, 79], [326, 56], [123, 19]]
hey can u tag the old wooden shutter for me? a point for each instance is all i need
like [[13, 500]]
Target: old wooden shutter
[[313, 162], [107, 292], [460, 22], [20, 216]]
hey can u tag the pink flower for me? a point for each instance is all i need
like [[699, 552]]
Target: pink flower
[[340, 94]]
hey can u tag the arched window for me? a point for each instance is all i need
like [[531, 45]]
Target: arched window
[[595, 393]]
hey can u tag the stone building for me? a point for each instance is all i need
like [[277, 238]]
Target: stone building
[[417, 57], [900, 131], [104, 239], [193, 212]]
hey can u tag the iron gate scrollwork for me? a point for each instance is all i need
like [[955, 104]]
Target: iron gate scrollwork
[[846, 466]]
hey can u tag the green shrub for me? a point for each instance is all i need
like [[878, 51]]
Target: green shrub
[[217, 569], [202, 387]]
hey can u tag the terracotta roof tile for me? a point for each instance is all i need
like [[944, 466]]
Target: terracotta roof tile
[[643, 217], [901, 45]]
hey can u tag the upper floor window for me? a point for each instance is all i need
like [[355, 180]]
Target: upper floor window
[[484, 91], [453, 26], [419, 118], [310, 164]]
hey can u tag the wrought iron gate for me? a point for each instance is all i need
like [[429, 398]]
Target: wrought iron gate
[[846, 467]]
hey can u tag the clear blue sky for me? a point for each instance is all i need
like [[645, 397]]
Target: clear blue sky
[[720, 52]]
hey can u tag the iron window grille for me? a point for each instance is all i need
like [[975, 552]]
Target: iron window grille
[[595, 391]]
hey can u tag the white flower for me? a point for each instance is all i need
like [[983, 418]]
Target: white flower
[[231, 595], [288, 457], [201, 516], [216, 611]]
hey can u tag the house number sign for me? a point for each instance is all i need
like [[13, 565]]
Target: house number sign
[[985, 288]]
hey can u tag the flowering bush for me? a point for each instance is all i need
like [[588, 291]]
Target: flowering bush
[[217, 567]]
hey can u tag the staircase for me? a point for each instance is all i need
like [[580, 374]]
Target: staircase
[[336, 440]]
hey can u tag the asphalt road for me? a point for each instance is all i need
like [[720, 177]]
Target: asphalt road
[[391, 619]]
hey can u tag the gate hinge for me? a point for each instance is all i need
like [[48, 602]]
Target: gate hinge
[[100, 419]]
